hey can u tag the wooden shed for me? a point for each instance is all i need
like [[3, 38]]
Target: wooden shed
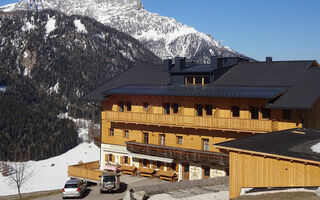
[[289, 158]]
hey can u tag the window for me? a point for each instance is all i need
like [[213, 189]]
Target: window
[[146, 107], [126, 133], [162, 139], [175, 108], [145, 163], [206, 80], [199, 110], [189, 80], [128, 105], [126, 160], [173, 166], [110, 158], [146, 138], [159, 164], [205, 144], [235, 111], [254, 112], [179, 140], [265, 113], [121, 106], [111, 132], [198, 80], [208, 109], [166, 108], [206, 171], [286, 114]]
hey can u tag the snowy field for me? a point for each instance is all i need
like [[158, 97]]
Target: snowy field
[[52, 173]]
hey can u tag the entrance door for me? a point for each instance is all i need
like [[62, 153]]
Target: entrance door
[[185, 171], [205, 172]]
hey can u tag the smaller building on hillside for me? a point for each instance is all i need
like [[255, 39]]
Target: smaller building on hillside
[[288, 158]]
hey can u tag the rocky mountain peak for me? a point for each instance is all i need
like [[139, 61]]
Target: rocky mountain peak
[[164, 36]]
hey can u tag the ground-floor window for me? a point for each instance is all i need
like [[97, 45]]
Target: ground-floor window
[[144, 163], [205, 171], [159, 165], [173, 167], [126, 160], [109, 158]]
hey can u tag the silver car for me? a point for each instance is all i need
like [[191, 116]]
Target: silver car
[[74, 188]]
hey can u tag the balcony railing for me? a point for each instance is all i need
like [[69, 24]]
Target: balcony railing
[[178, 153], [207, 122]]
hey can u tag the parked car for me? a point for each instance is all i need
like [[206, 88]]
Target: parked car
[[74, 188], [110, 181]]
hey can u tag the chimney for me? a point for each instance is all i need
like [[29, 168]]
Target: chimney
[[180, 62], [167, 64], [268, 59]]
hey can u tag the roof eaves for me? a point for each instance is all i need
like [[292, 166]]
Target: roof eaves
[[266, 154]]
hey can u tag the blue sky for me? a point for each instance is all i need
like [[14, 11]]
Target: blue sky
[[283, 29]]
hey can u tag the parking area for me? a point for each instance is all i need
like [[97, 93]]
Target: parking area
[[127, 182]]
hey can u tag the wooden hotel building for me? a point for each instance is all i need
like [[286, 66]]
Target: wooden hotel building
[[168, 117]]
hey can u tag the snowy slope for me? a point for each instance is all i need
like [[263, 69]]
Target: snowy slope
[[51, 173], [316, 148], [162, 35]]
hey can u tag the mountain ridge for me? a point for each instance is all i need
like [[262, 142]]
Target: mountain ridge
[[164, 36]]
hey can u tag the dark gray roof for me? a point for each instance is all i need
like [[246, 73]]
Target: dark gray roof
[[301, 76], [289, 143], [200, 91], [197, 68], [138, 75]]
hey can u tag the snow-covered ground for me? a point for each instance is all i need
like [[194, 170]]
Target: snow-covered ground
[[52, 173]]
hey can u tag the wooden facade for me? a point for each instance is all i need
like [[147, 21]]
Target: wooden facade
[[254, 170], [178, 153], [146, 114], [175, 128]]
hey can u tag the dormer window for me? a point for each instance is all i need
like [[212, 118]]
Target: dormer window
[[188, 80], [198, 80], [206, 80]]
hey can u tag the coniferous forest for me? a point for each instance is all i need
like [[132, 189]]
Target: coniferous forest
[[47, 63]]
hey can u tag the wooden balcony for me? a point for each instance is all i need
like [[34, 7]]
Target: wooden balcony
[[178, 153], [203, 122]]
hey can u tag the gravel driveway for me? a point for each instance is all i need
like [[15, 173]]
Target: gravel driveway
[[126, 183]]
